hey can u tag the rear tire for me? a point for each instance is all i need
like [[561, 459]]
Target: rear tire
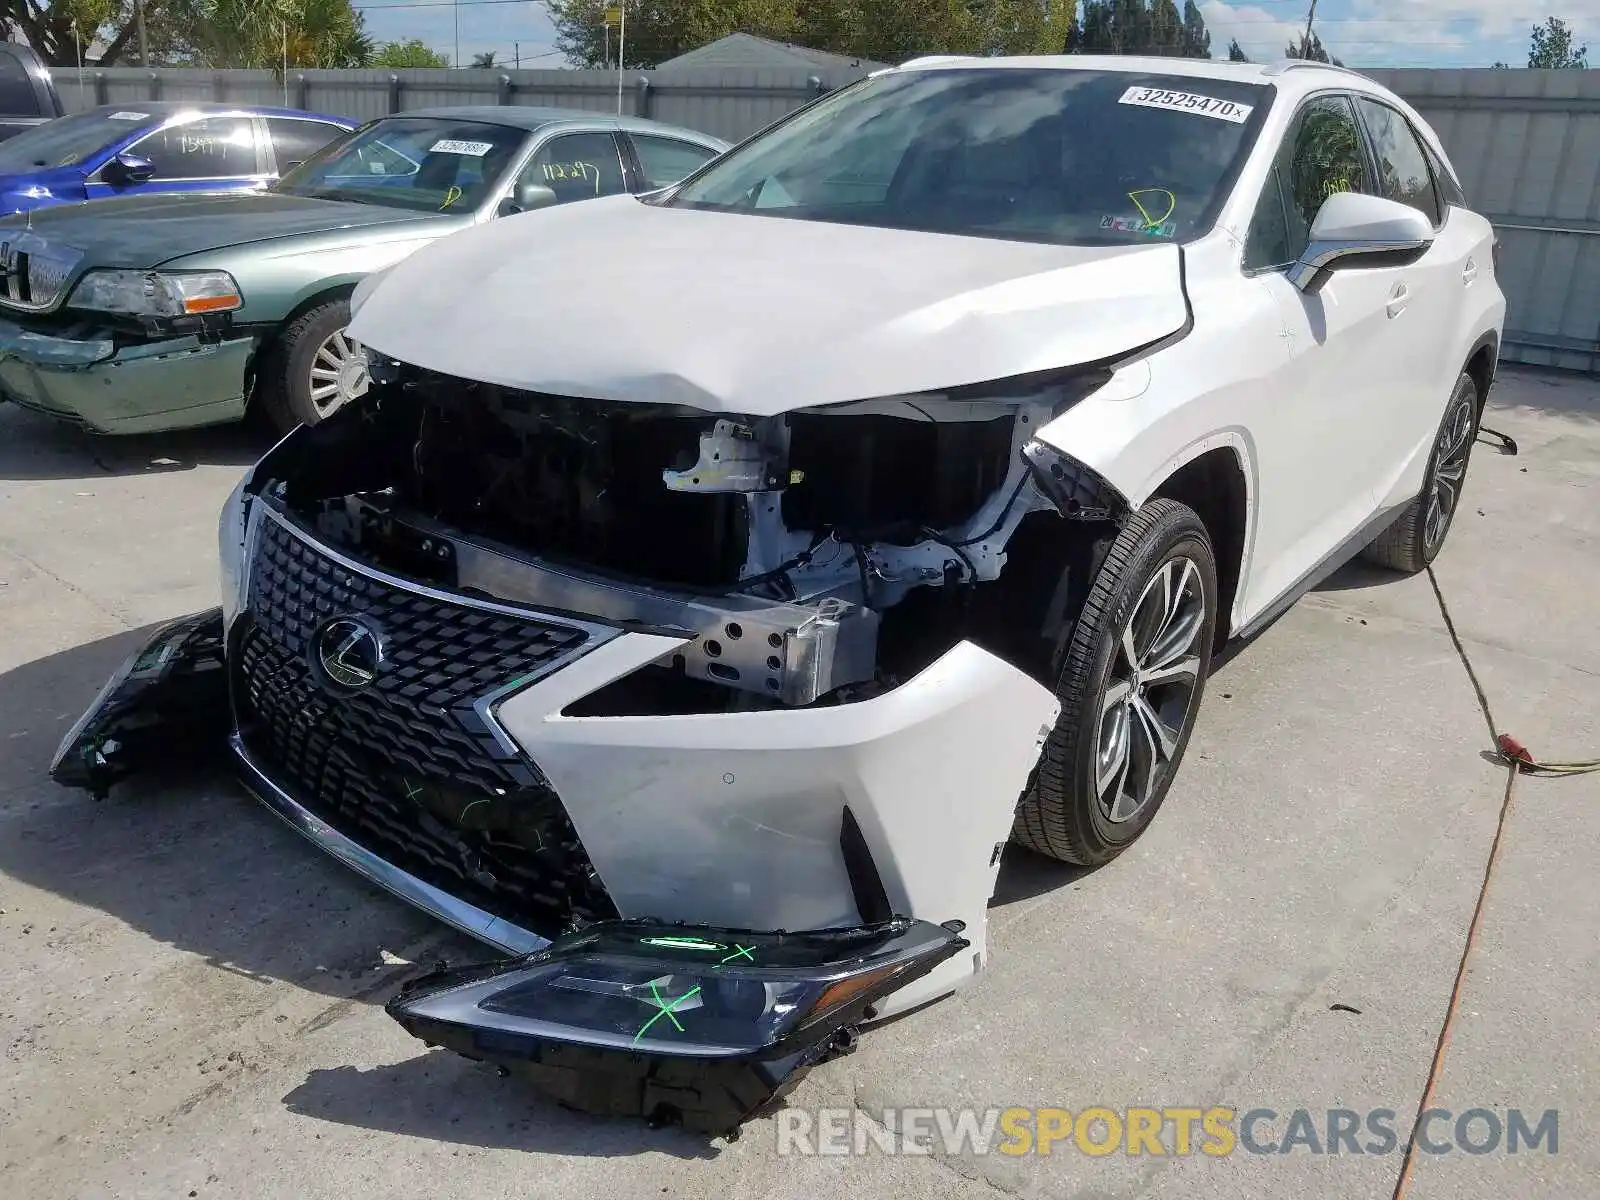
[[1417, 535], [313, 369], [1132, 677]]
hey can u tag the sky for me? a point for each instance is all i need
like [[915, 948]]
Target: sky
[[1362, 33]]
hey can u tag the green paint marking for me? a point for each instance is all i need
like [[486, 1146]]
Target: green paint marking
[[664, 1009], [683, 943], [739, 952], [412, 792]]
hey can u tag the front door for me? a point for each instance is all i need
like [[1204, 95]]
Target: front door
[[1333, 433]]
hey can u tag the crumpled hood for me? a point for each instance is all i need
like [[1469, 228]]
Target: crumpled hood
[[615, 299], [148, 230]]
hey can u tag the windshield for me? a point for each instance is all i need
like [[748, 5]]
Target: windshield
[[1045, 155], [67, 141], [427, 163]]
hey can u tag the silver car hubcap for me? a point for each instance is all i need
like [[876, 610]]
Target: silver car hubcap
[[338, 372], [1154, 673], [1449, 472]]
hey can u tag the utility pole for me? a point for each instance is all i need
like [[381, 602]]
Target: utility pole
[[1305, 40], [455, 10], [516, 50], [144, 42], [622, 45]]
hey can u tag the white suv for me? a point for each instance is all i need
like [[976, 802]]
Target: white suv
[[762, 554]]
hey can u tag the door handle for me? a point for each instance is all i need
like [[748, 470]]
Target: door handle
[[1469, 273], [1398, 299]]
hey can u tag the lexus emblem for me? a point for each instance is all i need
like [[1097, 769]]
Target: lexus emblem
[[349, 652]]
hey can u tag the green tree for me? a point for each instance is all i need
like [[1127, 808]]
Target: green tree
[[483, 60], [207, 33], [1196, 37], [413, 52], [1140, 27], [883, 30], [1311, 48], [1236, 52], [1551, 47]]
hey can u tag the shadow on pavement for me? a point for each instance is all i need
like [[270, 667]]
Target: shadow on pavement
[[189, 858], [33, 446], [445, 1098]]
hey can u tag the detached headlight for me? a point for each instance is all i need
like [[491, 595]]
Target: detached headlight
[[157, 293], [700, 1025], [231, 531]]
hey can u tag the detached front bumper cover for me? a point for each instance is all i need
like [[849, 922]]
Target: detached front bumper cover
[[676, 1024]]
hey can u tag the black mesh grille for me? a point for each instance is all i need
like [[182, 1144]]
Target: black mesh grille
[[406, 767]]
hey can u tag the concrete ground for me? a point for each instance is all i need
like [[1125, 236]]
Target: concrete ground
[[191, 999]]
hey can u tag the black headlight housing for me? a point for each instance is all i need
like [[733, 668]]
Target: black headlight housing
[[672, 1023]]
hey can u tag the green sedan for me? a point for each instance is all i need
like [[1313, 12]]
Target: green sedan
[[172, 311]]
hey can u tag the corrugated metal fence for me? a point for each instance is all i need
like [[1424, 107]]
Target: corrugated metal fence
[[1527, 145]]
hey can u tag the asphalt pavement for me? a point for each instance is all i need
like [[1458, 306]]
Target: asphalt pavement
[[192, 998]]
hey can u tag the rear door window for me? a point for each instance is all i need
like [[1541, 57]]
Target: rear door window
[[294, 141], [666, 160]]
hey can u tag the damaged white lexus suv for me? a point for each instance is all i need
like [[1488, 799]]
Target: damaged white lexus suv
[[712, 582]]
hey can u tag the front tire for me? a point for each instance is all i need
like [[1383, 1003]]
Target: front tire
[[314, 369], [1131, 681], [1418, 533]]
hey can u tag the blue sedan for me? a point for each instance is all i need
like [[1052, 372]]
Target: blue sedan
[[157, 146]]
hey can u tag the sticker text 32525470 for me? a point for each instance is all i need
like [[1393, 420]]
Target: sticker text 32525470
[[1189, 102]]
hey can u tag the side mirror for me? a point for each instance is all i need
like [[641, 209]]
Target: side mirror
[[528, 197], [1355, 230], [130, 168]]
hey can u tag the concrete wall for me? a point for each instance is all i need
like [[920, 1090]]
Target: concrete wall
[[1526, 143]]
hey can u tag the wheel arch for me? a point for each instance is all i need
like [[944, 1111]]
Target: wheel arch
[[324, 293], [1481, 363], [1213, 478]]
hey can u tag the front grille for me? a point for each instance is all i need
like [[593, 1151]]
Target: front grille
[[33, 272], [406, 766]]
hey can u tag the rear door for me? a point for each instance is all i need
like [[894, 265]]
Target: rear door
[[1436, 293]]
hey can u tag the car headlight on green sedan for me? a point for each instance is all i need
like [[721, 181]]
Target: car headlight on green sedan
[[157, 293]]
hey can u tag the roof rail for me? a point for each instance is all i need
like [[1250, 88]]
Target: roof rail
[[1285, 65]]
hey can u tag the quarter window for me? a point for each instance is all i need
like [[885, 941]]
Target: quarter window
[[667, 160], [1402, 167], [211, 148], [1320, 156], [577, 166]]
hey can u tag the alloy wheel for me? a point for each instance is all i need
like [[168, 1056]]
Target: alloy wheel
[[338, 372], [1449, 471], [1149, 695]]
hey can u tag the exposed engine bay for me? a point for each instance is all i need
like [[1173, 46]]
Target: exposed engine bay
[[817, 556]]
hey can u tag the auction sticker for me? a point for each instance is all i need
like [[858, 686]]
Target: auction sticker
[[447, 146], [128, 116], [1205, 106]]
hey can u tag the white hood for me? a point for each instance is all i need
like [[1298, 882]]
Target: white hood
[[613, 299]]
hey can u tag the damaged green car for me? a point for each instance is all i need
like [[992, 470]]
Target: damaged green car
[[159, 312]]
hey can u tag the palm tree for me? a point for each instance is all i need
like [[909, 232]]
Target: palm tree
[[486, 59]]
